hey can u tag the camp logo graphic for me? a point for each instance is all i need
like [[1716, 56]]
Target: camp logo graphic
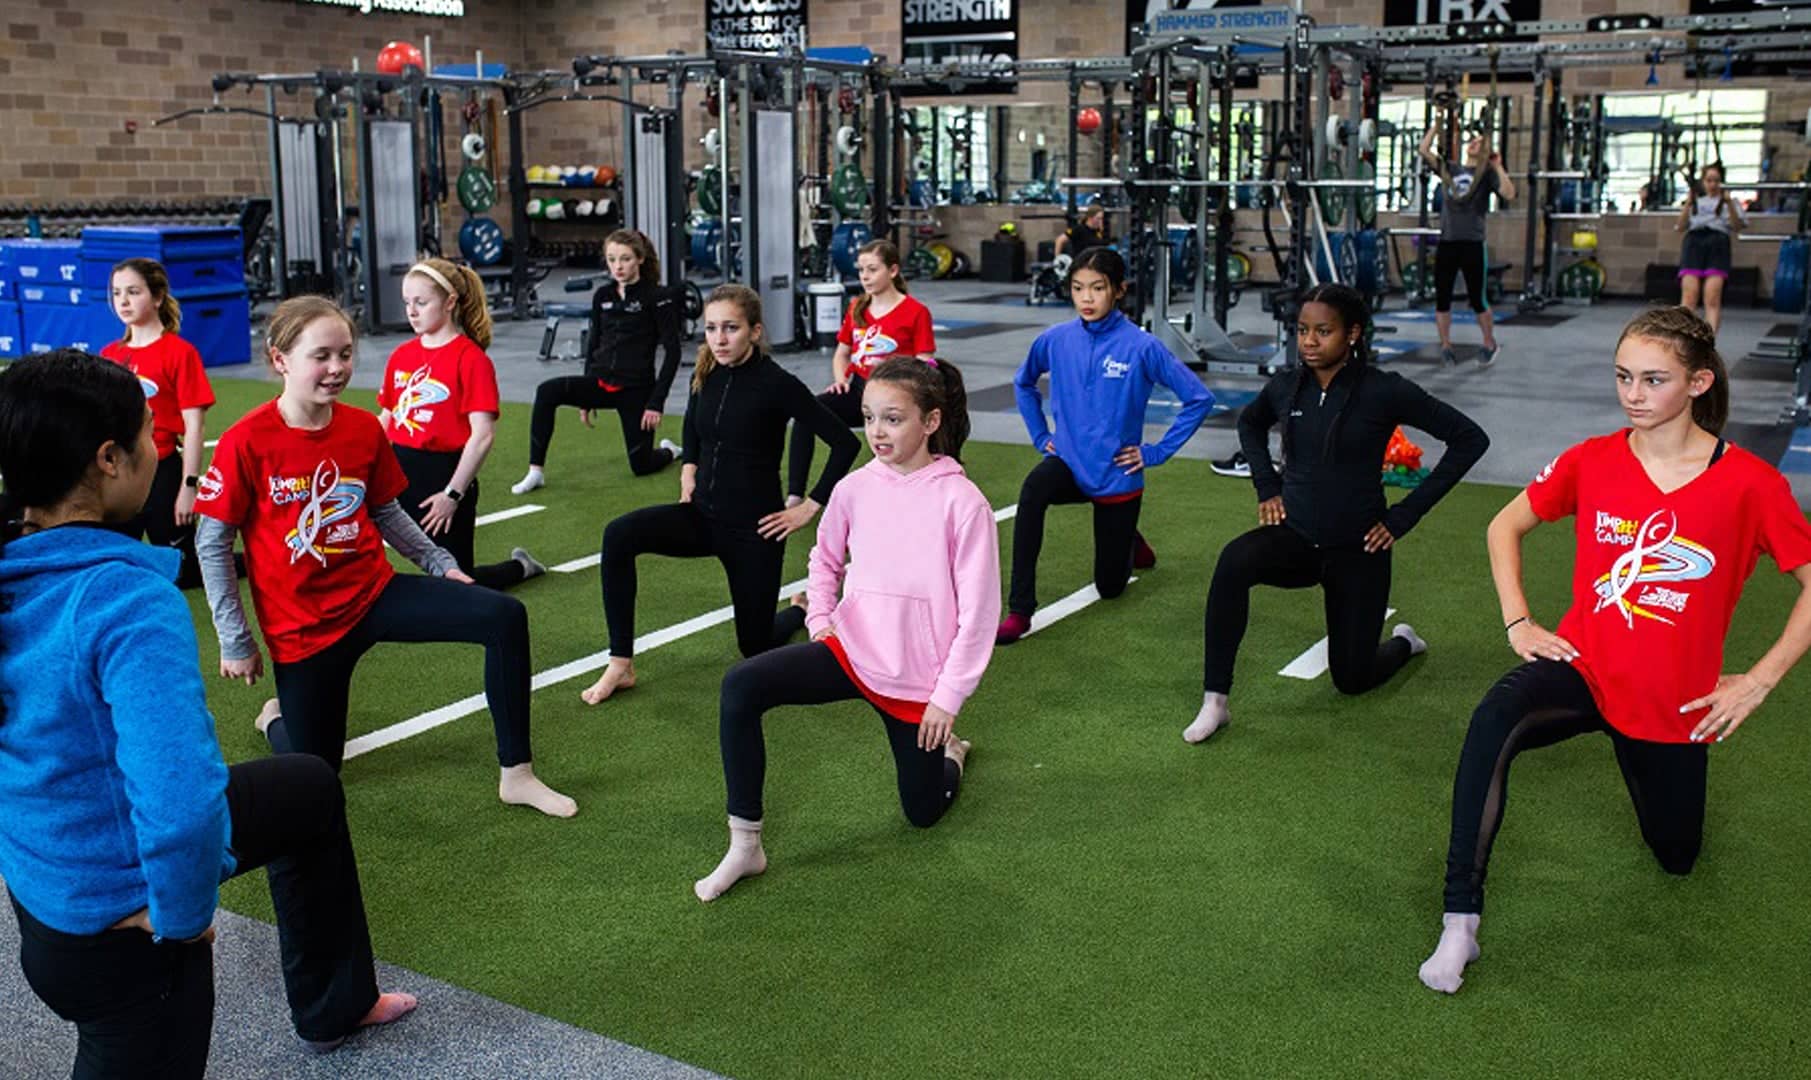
[[875, 345], [149, 387], [328, 505], [1114, 369], [1462, 184], [209, 487], [416, 394], [1656, 554]]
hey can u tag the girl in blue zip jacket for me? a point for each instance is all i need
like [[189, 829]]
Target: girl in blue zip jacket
[[1102, 368], [118, 818]]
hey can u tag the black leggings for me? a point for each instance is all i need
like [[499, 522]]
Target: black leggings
[[808, 674], [157, 521], [146, 1009], [1356, 589], [429, 473], [1455, 257], [1115, 534], [1546, 702], [682, 531], [315, 693], [584, 392], [846, 407]]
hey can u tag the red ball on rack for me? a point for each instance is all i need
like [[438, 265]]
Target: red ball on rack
[[1087, 121], [397, 56]]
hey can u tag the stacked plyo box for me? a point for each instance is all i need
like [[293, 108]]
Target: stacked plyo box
[[43, 278], [206, 265]]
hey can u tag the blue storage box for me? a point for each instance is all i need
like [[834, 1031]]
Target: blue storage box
[[198, 258], [219, 326], [35, 292], [63, 326], [42, 262], [12, 341]]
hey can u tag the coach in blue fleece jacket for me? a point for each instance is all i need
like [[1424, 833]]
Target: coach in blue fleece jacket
[[118, 818], [1102, 369]]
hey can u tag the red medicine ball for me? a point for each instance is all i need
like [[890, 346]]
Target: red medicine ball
[[1087, 121], [397, 55]]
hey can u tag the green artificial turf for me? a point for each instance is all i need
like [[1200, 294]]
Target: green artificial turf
[[1103, 899]]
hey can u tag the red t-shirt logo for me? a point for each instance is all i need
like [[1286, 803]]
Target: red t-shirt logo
[[327, 502], [1657, 553], [416, 394]]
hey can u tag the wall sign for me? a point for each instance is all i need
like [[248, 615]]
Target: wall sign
[[974, 30], [1142, 12], [450, 9], [755, 25], [1427, 12]]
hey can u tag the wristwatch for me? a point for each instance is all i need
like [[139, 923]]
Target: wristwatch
[[191, 481], [454, 494]]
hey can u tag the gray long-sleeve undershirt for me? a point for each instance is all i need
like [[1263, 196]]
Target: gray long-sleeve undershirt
[[214, 551]]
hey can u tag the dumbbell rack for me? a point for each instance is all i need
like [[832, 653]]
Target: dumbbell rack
[[65, 221], [591, 248]]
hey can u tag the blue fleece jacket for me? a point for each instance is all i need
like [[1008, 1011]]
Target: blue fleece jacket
[[1101, 375], [112, 788]]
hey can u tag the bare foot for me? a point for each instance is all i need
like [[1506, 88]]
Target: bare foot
[[618, 675], [800, 600]]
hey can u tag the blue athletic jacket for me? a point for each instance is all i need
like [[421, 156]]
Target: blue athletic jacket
[[112, 788], [1101, 375]]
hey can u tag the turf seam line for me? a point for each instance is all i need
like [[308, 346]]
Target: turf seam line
[[446, 714], [1312, 664]]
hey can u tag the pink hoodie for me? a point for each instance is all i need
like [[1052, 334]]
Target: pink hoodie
[[920, 591]]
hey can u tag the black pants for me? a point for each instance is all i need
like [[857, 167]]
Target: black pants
[[429, 473], [1356, 588], [315, 693], [584, 392], [846, 407], [682, 531], [808, 674], [146, 1009], [1455, 257], [157, 521], [1546, 702], [1115, 533]]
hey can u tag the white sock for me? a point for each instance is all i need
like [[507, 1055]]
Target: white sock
[[744, 859], [1417, 645], [533, 566], [957, 751], [1445, 970], [535, 478], [519, 786], [268, 715], [1213, 716], [671, 447]]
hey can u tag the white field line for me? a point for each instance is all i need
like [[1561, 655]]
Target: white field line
[[1313, 663], [1065, 607], [505, 515], [446, 714]]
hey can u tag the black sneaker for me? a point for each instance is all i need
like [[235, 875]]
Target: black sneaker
[[1489, 356], [1233, 466]]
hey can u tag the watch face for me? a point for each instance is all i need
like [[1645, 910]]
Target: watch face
[[191, 481]]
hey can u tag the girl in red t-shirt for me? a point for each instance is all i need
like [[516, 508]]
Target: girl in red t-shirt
[[440, 403], [1670, 521], [169, 369], [883, 322], [313, 485]]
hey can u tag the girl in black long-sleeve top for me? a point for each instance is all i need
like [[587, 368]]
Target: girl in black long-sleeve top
[[730, 499], [1325, 521], [633, 316]]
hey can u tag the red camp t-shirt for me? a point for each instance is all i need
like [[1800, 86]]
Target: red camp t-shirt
[[1656, 576], [303, 500], [430, 392], [903, 331], [170, 371]]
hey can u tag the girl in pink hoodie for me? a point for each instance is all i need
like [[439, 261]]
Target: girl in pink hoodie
[[905, 596]]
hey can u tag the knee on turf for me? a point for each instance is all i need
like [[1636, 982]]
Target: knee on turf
[[922, 816], [646, 464], [1111, 590], [1677, 858], [1349, 683]]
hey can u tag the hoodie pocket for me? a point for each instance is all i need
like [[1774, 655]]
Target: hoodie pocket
[[889, 635]]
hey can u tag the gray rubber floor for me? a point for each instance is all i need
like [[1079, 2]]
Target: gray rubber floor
[[453, 1035]]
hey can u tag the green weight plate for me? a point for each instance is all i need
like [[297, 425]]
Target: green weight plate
[[477, 191], [1365, 199], [1333, 200], [848, 189]]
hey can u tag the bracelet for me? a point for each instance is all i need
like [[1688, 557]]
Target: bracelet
[[1511, 625]]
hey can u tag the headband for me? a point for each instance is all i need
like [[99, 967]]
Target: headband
[[433, 275]]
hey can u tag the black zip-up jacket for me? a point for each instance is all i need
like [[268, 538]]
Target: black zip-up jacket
[[735, 431], [1333, 446], [625, 331]]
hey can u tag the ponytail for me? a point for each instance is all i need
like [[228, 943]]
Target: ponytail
[[638, 242], [470, 310], [156, 279], [934, 385]]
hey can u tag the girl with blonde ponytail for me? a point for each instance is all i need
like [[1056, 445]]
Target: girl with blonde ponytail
[[170, 372], [439, 397]]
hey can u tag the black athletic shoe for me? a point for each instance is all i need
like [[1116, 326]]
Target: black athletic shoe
[[1233, 466], [1489, 356]]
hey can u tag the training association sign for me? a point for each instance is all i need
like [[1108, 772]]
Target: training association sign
[[976, 31], [755, 25]]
